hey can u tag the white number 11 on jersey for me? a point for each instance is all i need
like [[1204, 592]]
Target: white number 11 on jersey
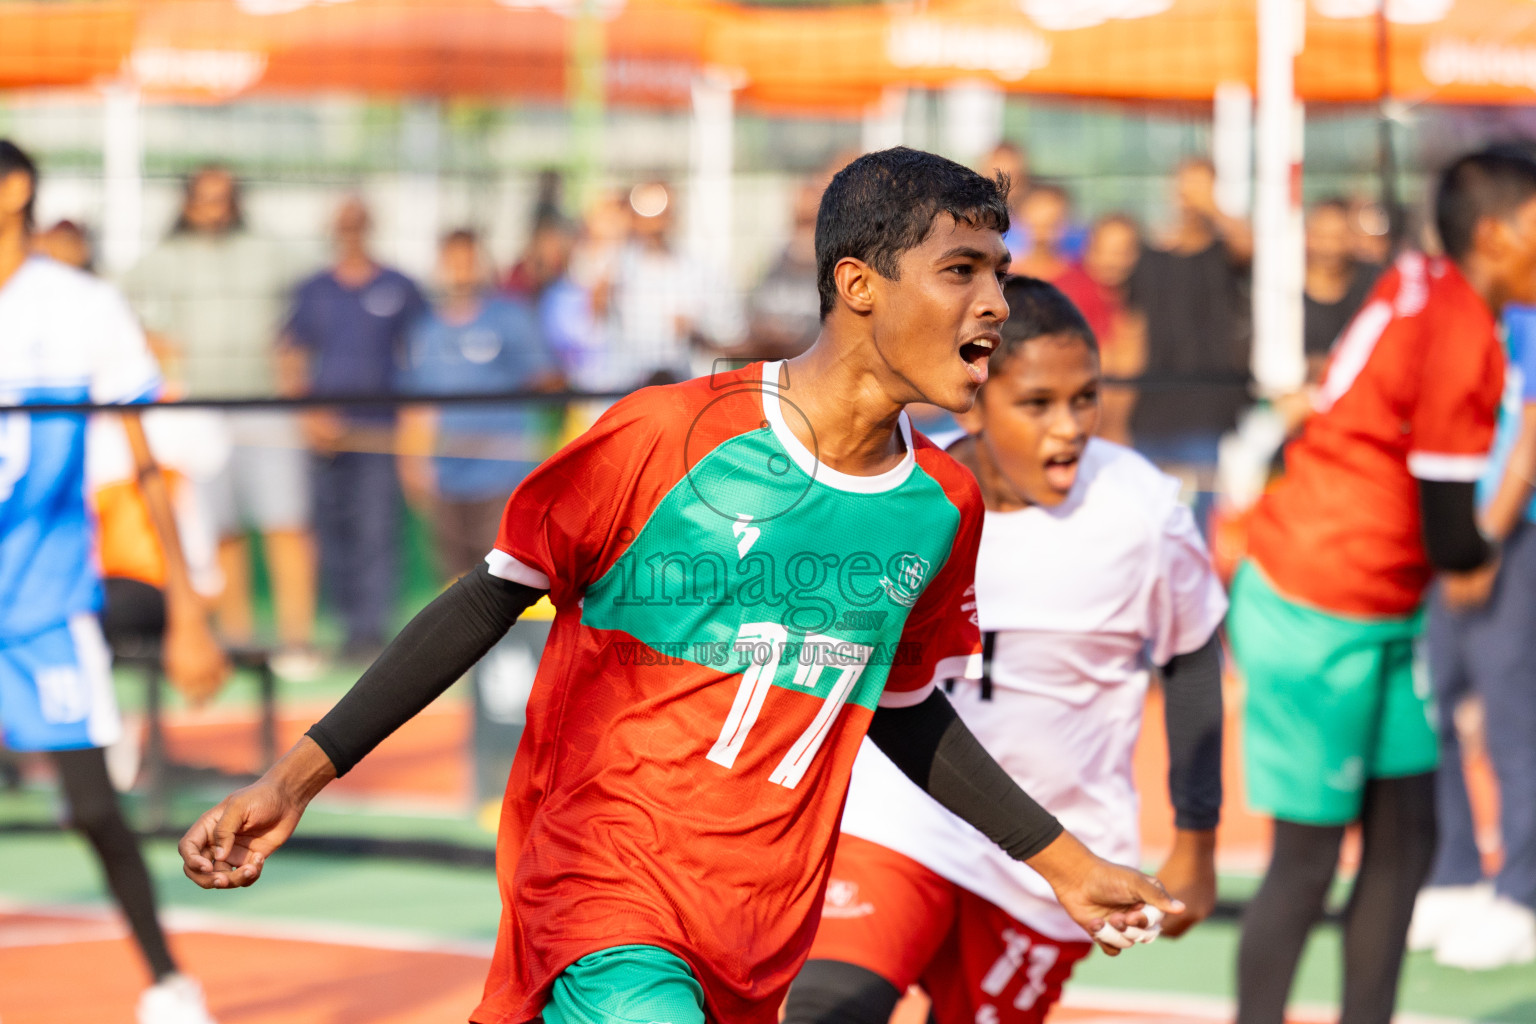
[[771, 637]]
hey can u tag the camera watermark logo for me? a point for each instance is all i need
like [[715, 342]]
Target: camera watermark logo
[[780, 485]]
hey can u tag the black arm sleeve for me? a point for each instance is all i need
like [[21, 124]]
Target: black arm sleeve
[[933, 748], [1451, 537], [435, 648], [1192, 713]]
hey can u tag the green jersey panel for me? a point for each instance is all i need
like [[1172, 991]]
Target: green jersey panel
[[748, 562]]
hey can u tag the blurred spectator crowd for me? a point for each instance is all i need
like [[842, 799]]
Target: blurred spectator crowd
[[604, 303]]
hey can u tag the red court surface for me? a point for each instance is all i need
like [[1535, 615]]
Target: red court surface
[[263, 979], [426, 760], [48, 963]]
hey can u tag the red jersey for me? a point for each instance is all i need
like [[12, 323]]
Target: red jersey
[[1092, 299], [1412, 393], [729, 614]]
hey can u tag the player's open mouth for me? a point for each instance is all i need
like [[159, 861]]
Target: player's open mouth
[[1061, 470], [976, 353]]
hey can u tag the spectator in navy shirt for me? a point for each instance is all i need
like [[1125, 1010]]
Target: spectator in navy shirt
[[460, 462], [346, 336]]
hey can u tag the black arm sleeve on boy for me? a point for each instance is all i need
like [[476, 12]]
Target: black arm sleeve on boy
[[437, 647], [933, 748], [1452, 540], [1193, 717]]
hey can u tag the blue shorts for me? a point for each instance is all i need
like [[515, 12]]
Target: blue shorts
[[56, 689]]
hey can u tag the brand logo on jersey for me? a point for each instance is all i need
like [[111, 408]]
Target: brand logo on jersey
[[969, 604], [906, 580], [746, 535], [842, 900]]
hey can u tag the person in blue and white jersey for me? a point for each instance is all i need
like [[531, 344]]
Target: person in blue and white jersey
[[66, 337]]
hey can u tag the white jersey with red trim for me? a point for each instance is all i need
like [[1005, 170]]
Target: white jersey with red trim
[[1073, 603]]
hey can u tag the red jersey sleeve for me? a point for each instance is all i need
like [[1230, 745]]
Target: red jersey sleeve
[[566, 518], [1456, 412], [941, 639]]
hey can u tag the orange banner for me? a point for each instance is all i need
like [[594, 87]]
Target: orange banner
[[220, 48], [1180, 52], [1474, 52], [1442, 51], [45, 44], [842, 58]]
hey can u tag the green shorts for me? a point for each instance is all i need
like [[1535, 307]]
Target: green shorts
[[626, 985], [1332, 701]]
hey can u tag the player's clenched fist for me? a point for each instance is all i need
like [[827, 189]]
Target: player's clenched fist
[[228, 846], [194, 662], [1099, 895]]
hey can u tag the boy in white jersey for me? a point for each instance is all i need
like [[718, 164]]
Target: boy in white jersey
[[1089, 567], [67, 338]]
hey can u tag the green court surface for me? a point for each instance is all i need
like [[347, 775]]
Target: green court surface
[[459, 905]]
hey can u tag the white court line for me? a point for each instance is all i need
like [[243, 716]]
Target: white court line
[[58, 933], [329, 933], [1214, 1008]]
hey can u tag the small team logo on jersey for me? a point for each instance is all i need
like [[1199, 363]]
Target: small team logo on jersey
[[746, 534], [842, 900], [905, 582]]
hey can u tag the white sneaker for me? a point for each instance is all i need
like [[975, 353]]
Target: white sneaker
[[126, 756], [174, 999], [1500, 933], [298, 665], [1439, 908]]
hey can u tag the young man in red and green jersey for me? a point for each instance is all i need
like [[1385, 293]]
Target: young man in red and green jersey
[[1378, 497], [751, 571]]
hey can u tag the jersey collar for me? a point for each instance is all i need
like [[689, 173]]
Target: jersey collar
[[773, 412]]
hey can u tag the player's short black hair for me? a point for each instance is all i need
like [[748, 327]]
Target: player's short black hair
[[1493, 182], [460, 236], [13, 159], [1038, 308], [885, 203]]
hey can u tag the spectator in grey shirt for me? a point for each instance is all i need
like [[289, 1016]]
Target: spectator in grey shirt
[[212, 295]]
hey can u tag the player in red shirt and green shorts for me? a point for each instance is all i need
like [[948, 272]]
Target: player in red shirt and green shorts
[[1377, 496], [750, 571]]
